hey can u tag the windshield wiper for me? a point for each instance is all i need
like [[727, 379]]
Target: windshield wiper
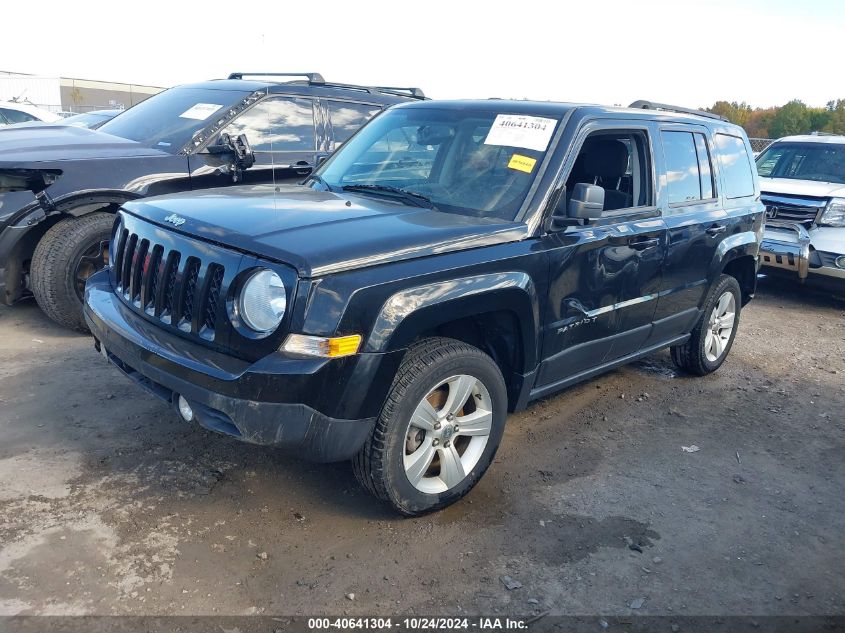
[[416, 199]]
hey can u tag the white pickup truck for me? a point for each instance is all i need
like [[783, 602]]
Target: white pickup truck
[[802, 180]]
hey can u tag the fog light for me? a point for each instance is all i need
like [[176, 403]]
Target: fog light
[[840, 261], [185, 409]]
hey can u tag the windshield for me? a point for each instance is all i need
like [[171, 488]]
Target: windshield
[[168, 120], [479, 163], [824, 162], [89, 119]]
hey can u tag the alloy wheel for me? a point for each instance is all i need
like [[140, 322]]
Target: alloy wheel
[[447, 434], [720, 327]]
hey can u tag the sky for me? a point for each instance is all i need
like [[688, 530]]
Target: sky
[[684, 52]]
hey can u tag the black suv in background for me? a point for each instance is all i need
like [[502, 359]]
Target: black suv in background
[[453, 261], [60, 186]]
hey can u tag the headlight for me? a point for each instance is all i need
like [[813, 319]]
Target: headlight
[[262, 301], [834, 213]]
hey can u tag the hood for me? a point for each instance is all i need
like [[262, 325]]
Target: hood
[[47, 143], [320, 232], [805, 188]]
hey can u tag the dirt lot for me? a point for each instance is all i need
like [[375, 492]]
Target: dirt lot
[[109, 504]]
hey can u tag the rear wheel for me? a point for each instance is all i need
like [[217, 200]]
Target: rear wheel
[[438, 430], [70, 252], [715, 331]]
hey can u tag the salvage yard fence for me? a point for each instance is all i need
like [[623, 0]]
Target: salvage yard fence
[[759, 144]]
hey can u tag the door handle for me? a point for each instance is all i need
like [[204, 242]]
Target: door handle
[[716, 229], [641, 245]]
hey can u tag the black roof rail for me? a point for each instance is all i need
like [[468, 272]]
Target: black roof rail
[[415, 93], [313, 78], [316, 79], [651, 105]]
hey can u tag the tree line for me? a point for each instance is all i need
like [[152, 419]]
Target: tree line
[[795, 117]]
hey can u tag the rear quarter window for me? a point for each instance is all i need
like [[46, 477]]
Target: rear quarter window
[[736, 166]]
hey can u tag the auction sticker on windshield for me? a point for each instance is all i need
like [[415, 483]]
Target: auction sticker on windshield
[[522, 163], [527, 132], [200, 111]]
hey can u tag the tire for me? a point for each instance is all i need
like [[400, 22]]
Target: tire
[[54, 266], [431, 372], [698, 356]]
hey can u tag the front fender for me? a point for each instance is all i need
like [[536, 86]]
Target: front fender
[[27, 225], [422, 308]]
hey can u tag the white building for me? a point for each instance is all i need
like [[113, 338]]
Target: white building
[[69, 94]]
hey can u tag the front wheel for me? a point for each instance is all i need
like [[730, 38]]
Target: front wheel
[[69, 253], [714, 334], [438, 430]]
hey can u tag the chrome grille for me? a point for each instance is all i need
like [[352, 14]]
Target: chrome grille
[[792, 209]]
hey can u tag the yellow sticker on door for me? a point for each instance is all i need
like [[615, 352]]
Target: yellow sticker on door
[[522, 163]]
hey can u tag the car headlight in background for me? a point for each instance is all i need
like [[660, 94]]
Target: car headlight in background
[[834, 213], [262, 302]]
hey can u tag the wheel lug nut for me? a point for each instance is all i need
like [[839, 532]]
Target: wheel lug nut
[[450, 417], [435, 442], [446, 444], [457, 428]]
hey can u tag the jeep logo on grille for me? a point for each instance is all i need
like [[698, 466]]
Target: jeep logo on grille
[[175, 220], [772, 212]]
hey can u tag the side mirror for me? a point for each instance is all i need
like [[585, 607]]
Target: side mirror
[[434, 134], [244, 158], [587, 201], [237, 145]]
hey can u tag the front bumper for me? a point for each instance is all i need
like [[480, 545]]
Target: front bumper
[[263, 403], [791, 247]]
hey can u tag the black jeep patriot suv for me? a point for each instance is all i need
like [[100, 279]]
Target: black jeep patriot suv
[[453, 261], [60, 186]]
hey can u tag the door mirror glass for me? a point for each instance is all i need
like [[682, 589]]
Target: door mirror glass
[[587, 201]]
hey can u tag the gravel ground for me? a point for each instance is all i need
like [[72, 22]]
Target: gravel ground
[[109, 504]]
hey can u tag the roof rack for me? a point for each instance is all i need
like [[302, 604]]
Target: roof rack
[[415, 93], [316, 79], [313, 78], [651, 105]]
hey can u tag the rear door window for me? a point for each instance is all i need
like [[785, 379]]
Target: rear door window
[[346, 117], [736, 166], [683, 176]]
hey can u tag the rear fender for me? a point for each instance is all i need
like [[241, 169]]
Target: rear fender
[[746, 243]]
